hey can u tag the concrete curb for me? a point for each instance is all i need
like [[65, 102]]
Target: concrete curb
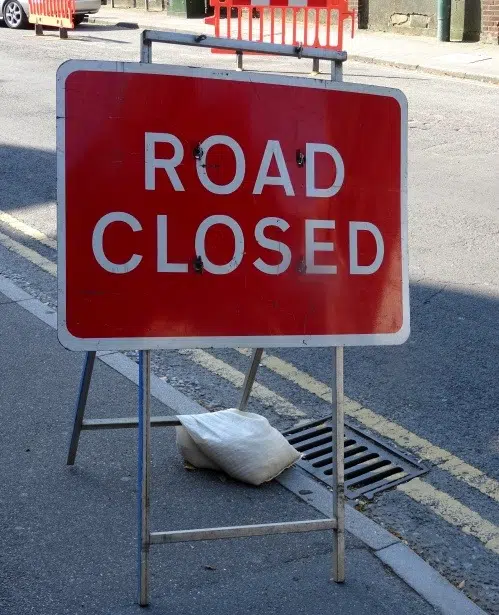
[[103, 21], [132, 25], [424, 69], [351, 56], [400, 558], [403, 562]]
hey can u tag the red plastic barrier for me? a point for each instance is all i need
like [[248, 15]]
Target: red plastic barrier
[[58, 13], [310, 23]]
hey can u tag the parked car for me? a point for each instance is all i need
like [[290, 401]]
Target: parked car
[[15, 13]]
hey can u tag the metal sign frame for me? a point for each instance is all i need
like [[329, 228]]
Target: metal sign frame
[[144, 422]]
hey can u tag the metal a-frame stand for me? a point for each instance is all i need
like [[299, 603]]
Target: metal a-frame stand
[[144, 422]]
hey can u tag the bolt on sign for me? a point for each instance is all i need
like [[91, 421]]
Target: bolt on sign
[[208, 208]]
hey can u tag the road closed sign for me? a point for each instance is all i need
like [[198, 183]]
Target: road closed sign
[[208, 208]]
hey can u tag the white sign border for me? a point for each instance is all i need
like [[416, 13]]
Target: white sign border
[[153, 343]]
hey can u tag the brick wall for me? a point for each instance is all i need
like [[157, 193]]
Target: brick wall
[[490, 21]]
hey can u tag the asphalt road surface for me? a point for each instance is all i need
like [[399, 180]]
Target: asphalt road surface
[[436, 396]]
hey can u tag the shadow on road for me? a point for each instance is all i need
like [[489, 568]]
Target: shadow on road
[[441, 384], [93, 27], [27, 177], [87, 38]]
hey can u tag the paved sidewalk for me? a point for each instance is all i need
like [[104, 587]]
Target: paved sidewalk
[[67, 535], [476, 61]]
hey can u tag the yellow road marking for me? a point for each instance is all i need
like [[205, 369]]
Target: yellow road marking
[[426, 450], [28, 254], [403, 437], [27, 230], [438, 501], [455, 513], [270, 399]]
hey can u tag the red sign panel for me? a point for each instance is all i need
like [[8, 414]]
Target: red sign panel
[[201, 208]]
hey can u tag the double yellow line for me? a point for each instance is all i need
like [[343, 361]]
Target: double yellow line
[[27, 253], [441, 503]]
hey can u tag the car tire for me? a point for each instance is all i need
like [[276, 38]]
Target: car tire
[[78, 19], [14, 15]]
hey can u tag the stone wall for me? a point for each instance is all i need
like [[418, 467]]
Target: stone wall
[[419, 17], [152, 5], [402, 16], [471, 20]]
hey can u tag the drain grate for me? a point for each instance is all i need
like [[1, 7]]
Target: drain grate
[[370, 465]]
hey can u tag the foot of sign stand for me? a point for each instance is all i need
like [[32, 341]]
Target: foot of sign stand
[[63, 32], [312, 316]]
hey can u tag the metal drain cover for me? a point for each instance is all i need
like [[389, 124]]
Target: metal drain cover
[[370, 465]]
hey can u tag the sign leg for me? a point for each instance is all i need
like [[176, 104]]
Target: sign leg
[[336, 71], [250, 378], [144, 475], [86, 377], [239, 60], [338, 466]]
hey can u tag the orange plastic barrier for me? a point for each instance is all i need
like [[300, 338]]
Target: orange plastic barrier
[[309, 23], [58, 13]]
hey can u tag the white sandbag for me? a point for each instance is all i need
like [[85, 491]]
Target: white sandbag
[[242, 444], [191, 452]]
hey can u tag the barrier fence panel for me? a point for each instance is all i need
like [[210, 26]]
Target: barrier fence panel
[[306, 23], [57, 13]]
